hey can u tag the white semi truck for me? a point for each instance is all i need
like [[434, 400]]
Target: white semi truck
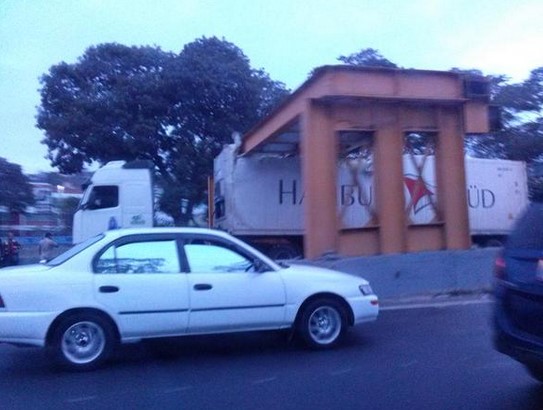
[[119, 194], [260, 198]]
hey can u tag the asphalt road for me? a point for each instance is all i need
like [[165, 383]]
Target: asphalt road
[[423, 358]]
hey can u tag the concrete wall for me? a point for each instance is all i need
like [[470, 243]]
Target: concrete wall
[[421, 273]]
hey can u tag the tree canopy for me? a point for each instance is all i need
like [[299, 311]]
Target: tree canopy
[[177, 110], [367, 57], [521, 110], [523, 117], [15, 189]]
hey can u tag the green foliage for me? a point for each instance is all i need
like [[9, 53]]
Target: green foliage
[[521, 112], [177, 110], [15, 189], [107, 106], [523, 117], [521, 136], [367, 57]]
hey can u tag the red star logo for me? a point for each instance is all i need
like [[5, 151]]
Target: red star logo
[[417, 189]]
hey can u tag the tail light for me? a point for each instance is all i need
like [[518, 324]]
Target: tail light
[[499, 267], [539, 270]]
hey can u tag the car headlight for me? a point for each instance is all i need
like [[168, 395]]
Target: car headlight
[[366, 289]]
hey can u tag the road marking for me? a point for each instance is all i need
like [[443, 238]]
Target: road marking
[[80, 399], [443, 304], [266, 380]]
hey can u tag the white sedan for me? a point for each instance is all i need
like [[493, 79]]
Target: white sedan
[[128, 285]]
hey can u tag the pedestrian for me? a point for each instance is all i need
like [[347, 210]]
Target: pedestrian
[[46, 248], [11, 250]]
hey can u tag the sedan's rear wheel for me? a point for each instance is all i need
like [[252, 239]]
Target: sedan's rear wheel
[[82, 341], [322, 323]]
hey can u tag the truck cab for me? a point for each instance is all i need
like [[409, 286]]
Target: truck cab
[[118, 195]]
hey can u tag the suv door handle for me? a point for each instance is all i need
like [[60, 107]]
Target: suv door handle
[[108, 289], [202, 286]]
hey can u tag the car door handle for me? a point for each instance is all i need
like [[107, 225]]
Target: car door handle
[[108, 289], [202, 286]]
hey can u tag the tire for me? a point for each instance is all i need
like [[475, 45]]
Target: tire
[[82, 341], [322, 323]]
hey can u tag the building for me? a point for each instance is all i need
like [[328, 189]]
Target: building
[[52, 211]]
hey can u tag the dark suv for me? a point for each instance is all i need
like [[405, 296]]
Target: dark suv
[[518, 318]]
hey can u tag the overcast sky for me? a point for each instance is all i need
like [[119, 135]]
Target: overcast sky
[[287, 38]]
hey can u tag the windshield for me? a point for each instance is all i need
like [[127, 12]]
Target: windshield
[[85, 197], [74, 250]]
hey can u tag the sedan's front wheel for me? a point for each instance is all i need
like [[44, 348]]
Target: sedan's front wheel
[[82, 341], [322, 323]]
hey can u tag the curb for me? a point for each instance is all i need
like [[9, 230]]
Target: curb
[[437, 300]]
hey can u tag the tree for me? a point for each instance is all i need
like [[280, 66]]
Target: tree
[[523, 126], [15, 189], [521, 135], [367, 57], [521, 108], [523, 117], [177, 110]]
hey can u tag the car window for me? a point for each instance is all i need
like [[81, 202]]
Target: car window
[[104, 196], [208, 257], [140, 257]]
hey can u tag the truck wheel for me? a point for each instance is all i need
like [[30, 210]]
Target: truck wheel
[[322, 323], [82, 341]]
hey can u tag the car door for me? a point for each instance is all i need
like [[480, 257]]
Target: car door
[[227, 290], [140, 282]]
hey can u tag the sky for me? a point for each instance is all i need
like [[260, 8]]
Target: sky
[[286, 38]]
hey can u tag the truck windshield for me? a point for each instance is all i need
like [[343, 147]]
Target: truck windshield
[[85, 197]]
